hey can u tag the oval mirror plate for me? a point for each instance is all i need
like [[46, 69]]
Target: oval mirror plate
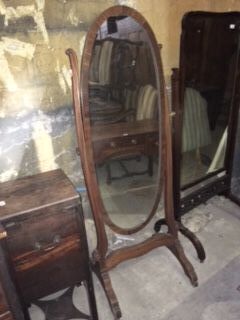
[[125, 116]]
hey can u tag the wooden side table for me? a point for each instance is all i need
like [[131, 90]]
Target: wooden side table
[[121, 140], [125, 138], [46, 237]]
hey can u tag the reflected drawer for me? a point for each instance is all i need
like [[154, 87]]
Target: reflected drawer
[[126, 141]]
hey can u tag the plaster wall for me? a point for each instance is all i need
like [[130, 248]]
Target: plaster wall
[[36, 120]]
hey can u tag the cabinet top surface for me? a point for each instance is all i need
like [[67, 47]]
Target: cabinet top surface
[[35, 192]]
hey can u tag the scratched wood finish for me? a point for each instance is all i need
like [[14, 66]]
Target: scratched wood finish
[[40, 228], [46, 238], [33, 193], [51, 269]]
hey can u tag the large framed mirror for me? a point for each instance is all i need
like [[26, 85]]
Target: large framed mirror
[[124, 139], [206, 102]]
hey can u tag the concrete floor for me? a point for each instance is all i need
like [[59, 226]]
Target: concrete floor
[[154, 286]]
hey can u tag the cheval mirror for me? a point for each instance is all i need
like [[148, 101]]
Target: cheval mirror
[[206, 102], [124, 140]]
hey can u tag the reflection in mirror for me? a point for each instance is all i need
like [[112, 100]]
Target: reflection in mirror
[[209, 57], [123, 104]]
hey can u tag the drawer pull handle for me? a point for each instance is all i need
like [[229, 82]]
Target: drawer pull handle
[[57, 239], [49, 248], [113, 144], [134, 141], [13, 225], [39, 246]]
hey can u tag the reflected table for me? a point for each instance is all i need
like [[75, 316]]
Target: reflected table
[[124, 140]]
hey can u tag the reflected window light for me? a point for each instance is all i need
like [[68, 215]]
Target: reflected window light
[[44, 146]]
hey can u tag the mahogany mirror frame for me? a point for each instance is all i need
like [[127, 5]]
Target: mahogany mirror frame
[[218, 182], [103, 260], [86, 60]]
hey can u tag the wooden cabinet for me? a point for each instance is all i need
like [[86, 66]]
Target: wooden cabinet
[[46, 237]]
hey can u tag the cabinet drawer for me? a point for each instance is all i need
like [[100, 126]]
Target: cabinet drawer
[[50, 269], [36, 230], [123, 142]]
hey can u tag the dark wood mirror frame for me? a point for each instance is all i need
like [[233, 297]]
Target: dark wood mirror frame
[[103, 260], [218, 182]]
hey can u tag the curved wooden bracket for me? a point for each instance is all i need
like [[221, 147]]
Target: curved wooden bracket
[[188, 234]]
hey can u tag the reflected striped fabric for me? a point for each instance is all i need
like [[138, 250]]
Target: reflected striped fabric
[[94, 67], [196, 132], [147, 102], [143, 100], [105, 62]]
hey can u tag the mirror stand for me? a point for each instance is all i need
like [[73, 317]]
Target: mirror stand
[[102, 262], [205, 102], [105, 258], [176, 151]]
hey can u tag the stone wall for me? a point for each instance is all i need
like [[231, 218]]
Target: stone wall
[[36, 121]]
